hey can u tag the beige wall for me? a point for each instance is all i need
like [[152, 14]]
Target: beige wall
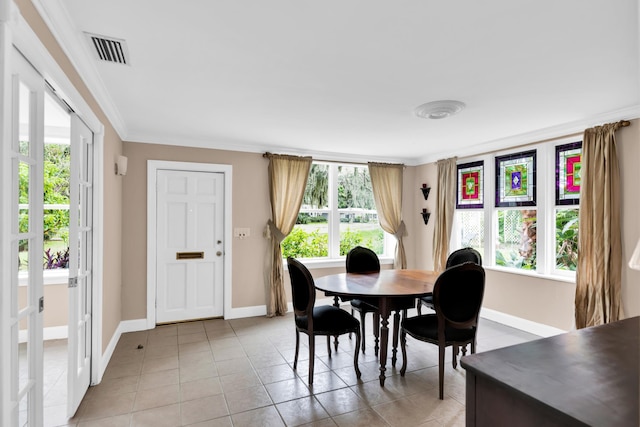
[[250, 209], [547, 301], [111, 295], [628, 143], [539, 300], [423, 248]]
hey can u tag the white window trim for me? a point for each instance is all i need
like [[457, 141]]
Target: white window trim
[[545, 205], [334, 259], [56, 276]]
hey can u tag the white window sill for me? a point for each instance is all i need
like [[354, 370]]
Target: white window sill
[[58, 276], [569, 278]]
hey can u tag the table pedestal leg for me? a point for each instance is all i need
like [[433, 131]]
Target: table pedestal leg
[[396, 328], [384, 339], [336, 303]]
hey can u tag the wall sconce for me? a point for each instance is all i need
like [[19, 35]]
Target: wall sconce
[[425, 191], [634, 262], [425, 216], [121, 165]]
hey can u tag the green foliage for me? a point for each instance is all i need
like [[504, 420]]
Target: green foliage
[[508, 259], [354, 188], [517, 239], [372, 239], [56, 185], [350, 239], [316, 193], [300, 244], [305, 218], [567, 239]]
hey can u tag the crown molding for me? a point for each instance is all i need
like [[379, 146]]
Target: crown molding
[[249, 147], [566, 129], [72, 43]]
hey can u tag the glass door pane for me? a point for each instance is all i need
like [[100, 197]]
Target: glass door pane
[[26, 293]]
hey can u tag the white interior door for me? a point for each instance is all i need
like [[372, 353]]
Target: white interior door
[[27, 303], [190, 249], [80, 263]]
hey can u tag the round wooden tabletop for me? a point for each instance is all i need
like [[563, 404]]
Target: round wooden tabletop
[[389, 283]]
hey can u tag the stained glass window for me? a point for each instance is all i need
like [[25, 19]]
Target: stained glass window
[[516, 179], [568, 173], [470, 185]]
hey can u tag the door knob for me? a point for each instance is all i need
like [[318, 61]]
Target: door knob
[[219, 253]]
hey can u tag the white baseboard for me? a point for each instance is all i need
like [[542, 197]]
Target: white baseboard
[[520, 323], [260, 310], [124, 327], [133, 325]]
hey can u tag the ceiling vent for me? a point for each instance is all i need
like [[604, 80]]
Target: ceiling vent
[[109, 49]]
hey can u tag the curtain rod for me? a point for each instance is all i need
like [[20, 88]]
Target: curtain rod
[[624, 123]]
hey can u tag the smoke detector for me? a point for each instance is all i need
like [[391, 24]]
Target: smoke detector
[[439, 109]]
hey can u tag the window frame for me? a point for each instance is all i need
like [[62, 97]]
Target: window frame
[[333, 258], [545, 206]]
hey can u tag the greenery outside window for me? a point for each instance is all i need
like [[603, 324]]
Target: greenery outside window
[[568, 162], [527, 233], [56, 207], [338, 213], [517, 240], [56, 185]]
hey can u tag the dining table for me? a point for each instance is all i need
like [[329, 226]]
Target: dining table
[[394, 290]]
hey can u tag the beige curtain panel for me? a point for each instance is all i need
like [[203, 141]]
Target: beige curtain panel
[[386, 182], [287, 181], [598, 276], [445, 208]]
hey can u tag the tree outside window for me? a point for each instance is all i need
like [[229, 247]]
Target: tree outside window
[[57, 159], [338, 213]]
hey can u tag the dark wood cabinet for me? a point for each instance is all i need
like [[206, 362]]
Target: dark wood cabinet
[[588, 377]]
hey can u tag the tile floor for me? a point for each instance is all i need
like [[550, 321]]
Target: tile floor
[[239, 373]]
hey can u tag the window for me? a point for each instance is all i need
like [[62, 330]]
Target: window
[[338, 213], [57, 163], [469, 224], [568, 169], [516, 230], [532, 221], [56, 205]]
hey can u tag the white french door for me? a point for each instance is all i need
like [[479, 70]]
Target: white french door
[[190, 249], [80, 263], [27, 302]]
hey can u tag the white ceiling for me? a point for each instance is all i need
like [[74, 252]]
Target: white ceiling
[[341, 79]]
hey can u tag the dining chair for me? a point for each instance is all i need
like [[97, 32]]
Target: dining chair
[[364, 260], [456, 257], [457, 297], [324, 320]]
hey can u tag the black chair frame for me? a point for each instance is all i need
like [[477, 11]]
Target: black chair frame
[[457, 295], [324, 320], [457, 257]]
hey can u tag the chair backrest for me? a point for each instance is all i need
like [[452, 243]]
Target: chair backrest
[[464, 255], [362, 260], [457, 295], [303, 291]]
